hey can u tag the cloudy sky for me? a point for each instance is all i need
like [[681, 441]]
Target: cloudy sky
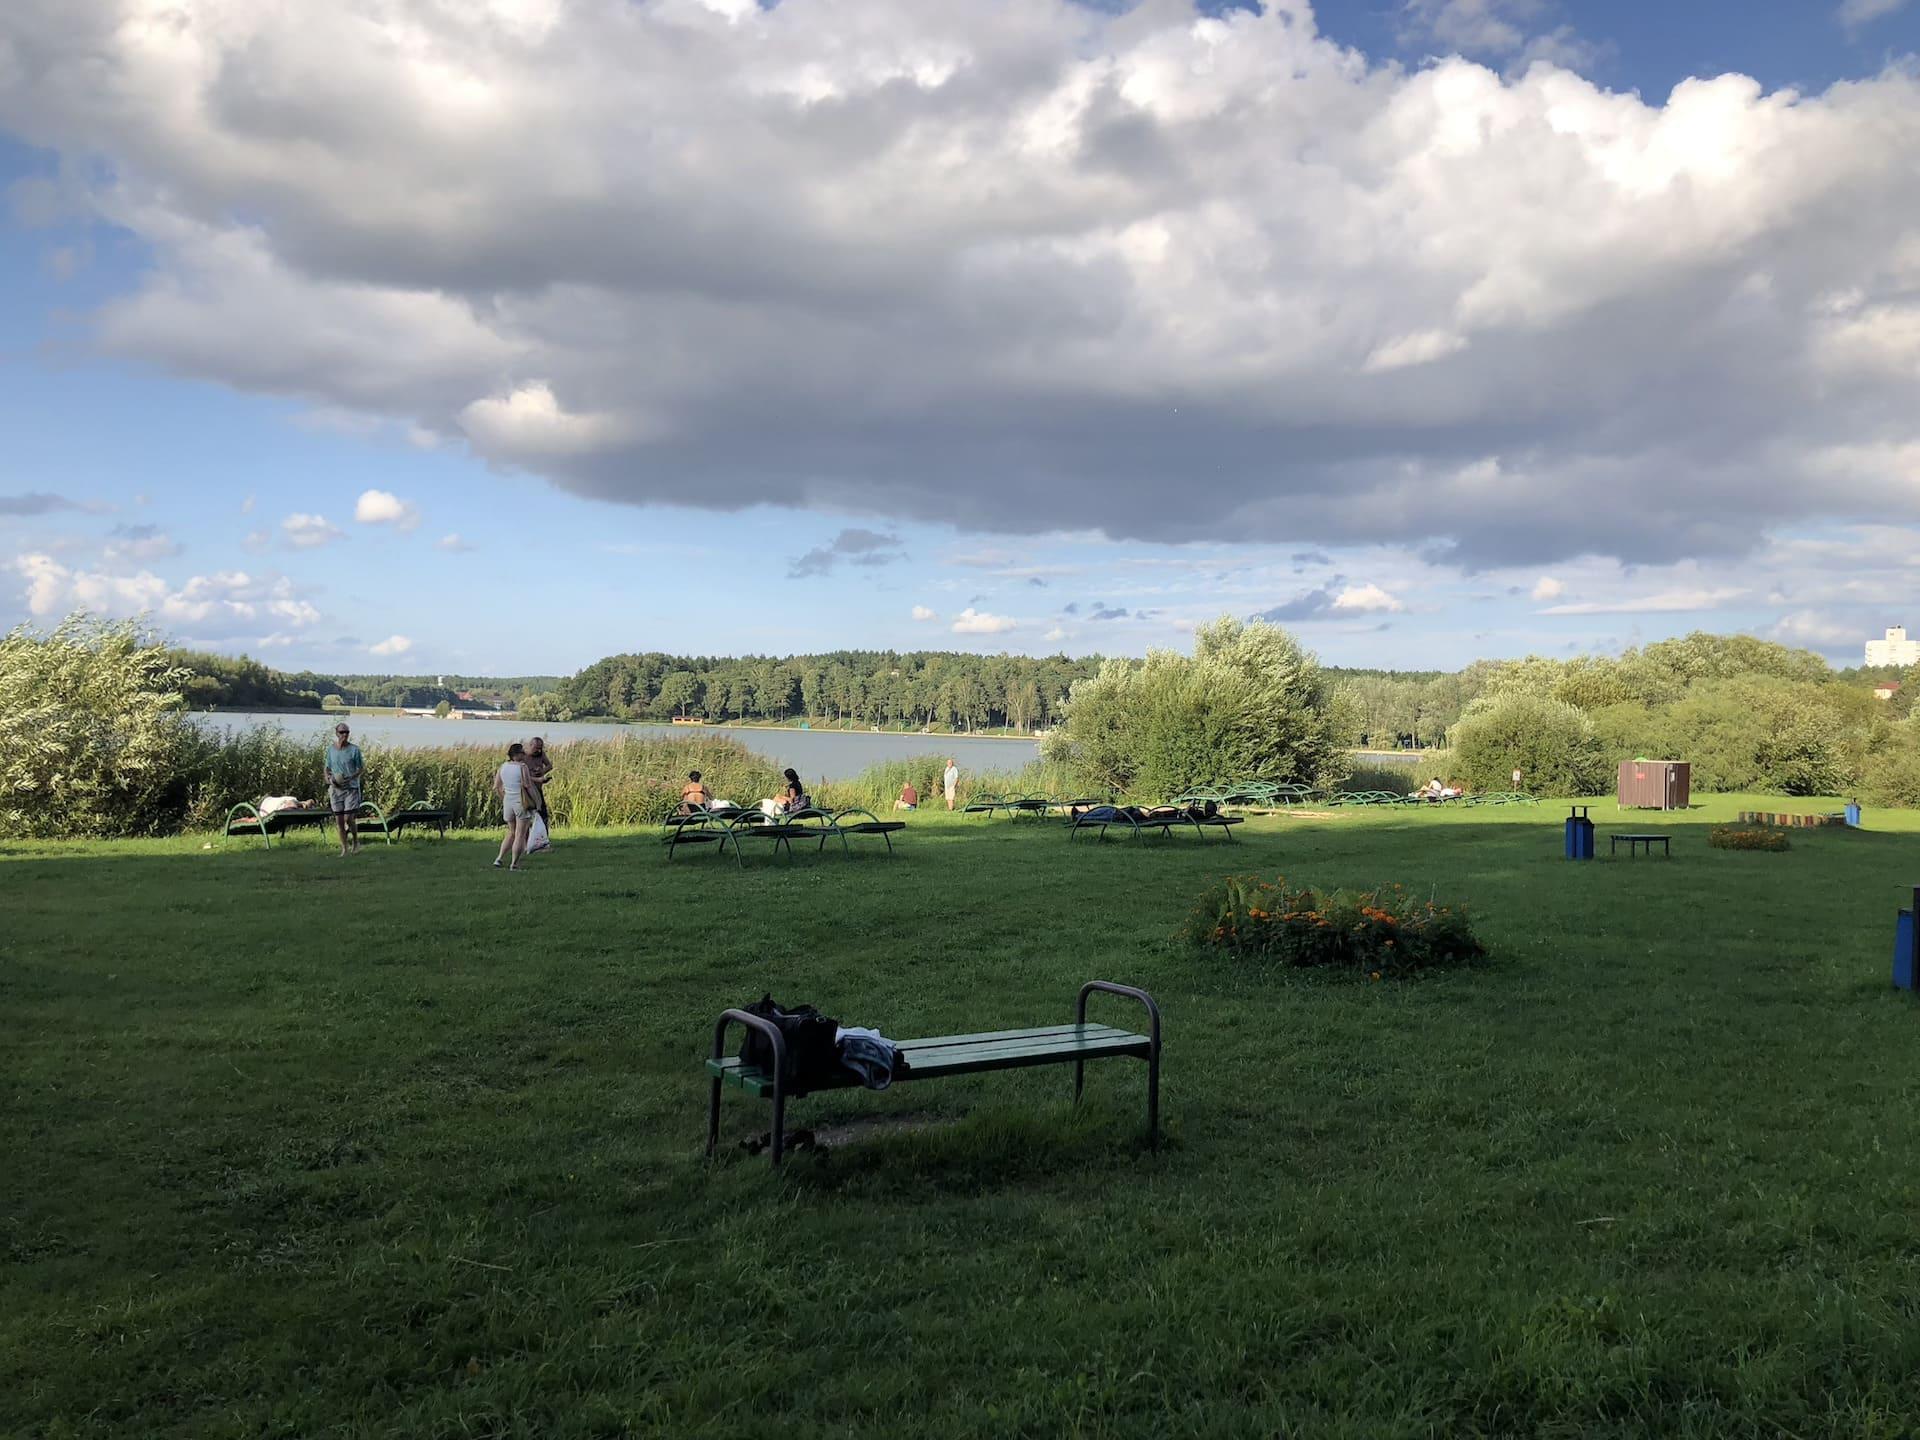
[[497, 335]]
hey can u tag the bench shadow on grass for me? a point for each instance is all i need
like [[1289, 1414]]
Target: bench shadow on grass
[[991, 1145]]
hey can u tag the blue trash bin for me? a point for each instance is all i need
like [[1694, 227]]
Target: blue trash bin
[[1853, 814], [1903, 957], [1579, 834]]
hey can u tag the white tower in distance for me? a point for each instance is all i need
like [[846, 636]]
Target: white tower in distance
[[1896, 649]]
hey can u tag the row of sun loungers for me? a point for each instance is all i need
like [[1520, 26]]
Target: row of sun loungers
[[721, 828], [1039, 806], [1394, 797], [1134, 821], [244, 819], [1263, 795]]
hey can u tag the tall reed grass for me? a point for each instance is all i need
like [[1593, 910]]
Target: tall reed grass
[[624, 781], [878, 786], [1398, 777]]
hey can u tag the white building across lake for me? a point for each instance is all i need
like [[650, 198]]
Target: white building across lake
[[1896, 649]]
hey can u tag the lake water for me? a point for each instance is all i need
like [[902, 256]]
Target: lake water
[[816, 754]]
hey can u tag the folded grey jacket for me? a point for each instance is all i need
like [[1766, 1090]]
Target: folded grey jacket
[[869, 1054]]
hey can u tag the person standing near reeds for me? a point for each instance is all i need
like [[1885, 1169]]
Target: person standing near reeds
[[345, 770], [513, 786], [951, 780], [539, 770]]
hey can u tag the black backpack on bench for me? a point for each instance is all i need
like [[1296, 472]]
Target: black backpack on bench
[[813, 1057]]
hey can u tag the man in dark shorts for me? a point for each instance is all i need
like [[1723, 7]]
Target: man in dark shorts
[[345, 770]]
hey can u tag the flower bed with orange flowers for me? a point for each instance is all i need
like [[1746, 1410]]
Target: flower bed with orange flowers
[[1380, 932]]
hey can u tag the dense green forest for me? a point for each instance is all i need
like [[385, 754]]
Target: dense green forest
[[918, 689]]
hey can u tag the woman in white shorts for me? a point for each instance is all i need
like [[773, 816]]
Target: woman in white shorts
[[514, 787]]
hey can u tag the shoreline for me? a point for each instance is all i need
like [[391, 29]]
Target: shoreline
[[713, 726]]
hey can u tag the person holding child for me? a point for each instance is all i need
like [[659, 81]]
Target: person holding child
[[513, 787]]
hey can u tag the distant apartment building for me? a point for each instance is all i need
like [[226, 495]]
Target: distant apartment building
[[1896, 649]]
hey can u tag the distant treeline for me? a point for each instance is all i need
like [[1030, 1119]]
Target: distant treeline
[[239, 683], [950, 690], [92, 713], [914, 690]]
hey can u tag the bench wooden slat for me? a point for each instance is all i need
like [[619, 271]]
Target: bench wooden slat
[[959, 1059], [1038, 1032], [1048, 1038], [1005, 1050]]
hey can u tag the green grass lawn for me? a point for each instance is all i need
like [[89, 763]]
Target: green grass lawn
[[399, 1145]]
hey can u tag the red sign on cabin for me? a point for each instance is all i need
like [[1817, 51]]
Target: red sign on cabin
[[1655, 784]]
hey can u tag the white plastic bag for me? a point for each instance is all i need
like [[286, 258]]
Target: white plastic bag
[[537, 837]]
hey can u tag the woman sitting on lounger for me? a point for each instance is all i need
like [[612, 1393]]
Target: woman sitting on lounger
[[694, 795], [793, 797]]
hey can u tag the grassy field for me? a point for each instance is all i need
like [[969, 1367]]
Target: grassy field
[[399, 1145]]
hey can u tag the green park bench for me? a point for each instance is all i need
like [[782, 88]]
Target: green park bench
[[945, 1055]]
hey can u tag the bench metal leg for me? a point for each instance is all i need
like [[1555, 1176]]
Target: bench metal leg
[[1153, 1095], [778, 1041], [1132, 992]]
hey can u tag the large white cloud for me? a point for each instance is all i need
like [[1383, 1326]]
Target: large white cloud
[[224, 605], [1019, 267]]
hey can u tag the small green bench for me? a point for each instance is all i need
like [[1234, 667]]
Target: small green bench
[[1636, 843], [944, 1055]]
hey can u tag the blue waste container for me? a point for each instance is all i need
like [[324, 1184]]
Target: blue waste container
[[1903, 957], [1579, 835], [1853, 814]]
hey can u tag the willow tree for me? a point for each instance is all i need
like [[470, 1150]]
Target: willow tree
[[1249, 703], [91, 722]]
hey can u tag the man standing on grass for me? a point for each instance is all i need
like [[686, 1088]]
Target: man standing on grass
[[344, 770], [950, 780]]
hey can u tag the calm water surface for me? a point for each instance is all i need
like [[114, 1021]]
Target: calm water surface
[[816, 754]]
